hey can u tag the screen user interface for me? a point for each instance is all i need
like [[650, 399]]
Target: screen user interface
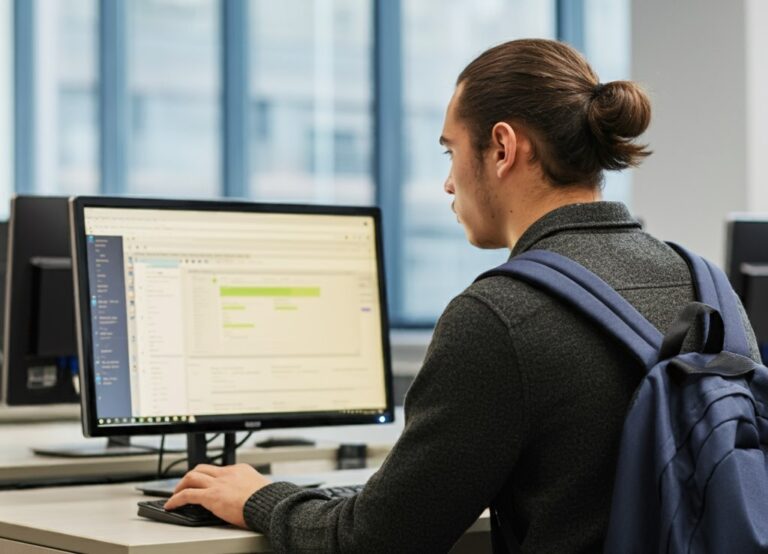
[[201, 315]]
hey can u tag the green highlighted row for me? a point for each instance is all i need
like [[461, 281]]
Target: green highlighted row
[[239, 326], [292, 292]]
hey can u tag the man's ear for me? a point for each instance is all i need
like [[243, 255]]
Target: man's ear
[[503, 148]]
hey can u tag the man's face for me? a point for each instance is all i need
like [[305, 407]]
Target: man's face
[[469, 183]]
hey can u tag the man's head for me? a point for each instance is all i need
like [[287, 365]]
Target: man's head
[[530, 128]]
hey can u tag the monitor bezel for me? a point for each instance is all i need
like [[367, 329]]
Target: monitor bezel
[[228, 423]]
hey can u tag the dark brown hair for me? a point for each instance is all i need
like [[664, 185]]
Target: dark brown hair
[[578, 127]]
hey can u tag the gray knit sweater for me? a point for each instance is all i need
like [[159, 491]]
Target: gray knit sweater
[[519, 404]]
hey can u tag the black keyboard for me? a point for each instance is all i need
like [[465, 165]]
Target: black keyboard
[[192, 515], [342, 492]]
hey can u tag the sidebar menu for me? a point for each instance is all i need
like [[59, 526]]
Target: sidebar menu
[[111, 377]]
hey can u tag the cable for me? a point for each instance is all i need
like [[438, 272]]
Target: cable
[[165, 472], [238, 445], [160, 458], [160, 472]]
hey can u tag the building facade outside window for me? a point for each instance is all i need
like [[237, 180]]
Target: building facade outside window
[[308, 111], [310, 93]]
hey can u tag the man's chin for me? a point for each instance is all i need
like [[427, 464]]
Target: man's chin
[[482, 242]]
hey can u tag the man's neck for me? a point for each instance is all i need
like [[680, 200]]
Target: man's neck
[[535, 208]]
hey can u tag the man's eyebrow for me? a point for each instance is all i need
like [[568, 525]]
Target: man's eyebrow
[[444, 140]]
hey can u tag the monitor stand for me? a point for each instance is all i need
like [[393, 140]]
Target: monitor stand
[[197, 450], [115, 446], [197, 453]]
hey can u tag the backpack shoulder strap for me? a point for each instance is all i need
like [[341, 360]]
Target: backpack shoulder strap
[[714, 289], [572, 283]]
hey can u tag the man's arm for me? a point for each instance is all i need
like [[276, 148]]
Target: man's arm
[[464, 427]]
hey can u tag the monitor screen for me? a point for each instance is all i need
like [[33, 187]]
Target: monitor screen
[[39, 347], [204, 316]]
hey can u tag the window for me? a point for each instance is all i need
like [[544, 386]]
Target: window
[[606, 38], [65, 77], [439, 38], [310, 101], [6, 102], [174, 107], [275, 101]]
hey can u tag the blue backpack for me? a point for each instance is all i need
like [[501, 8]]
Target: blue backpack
[[692, 473]]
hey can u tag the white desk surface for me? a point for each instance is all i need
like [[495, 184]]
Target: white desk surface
[[52, 412], [102, 519], [19, 464]]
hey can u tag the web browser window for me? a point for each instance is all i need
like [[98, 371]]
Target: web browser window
[[198, 313]]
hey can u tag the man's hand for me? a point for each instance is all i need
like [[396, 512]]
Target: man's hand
[[222, 490]]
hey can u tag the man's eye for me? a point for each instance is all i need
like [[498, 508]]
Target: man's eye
[[448, 153]]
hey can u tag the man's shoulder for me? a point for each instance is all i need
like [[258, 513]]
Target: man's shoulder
[[510, 299]]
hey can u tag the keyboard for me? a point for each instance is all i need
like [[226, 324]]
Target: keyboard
[[343, 491], [192, 515]]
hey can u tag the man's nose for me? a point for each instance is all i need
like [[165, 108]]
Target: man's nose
[[448, 185]]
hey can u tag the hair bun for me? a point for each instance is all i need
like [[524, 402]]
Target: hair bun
[[617, 113], [576, 128]]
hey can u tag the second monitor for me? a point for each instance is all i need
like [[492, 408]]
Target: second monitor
[[747, 264], [39, 348]]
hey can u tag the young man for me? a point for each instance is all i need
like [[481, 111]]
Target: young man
[[520, 403]]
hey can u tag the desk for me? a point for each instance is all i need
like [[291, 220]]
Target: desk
[[19, 464], [102, 519], [51, 412]]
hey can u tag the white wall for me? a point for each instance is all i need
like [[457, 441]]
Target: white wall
[[6, 107], [757, 105], [693, 57]]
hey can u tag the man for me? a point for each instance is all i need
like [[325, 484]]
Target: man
[[520, 402]]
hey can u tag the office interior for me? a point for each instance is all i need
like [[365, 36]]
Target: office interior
[[334, 103]]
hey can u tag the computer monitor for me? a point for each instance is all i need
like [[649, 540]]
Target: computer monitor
[[3, 266], [747, 265], [197, 317], [39, 347]]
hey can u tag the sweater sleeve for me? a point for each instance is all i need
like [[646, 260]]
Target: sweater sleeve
[[464, 428]]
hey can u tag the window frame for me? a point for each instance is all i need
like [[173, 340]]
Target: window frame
[[387, 156]]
